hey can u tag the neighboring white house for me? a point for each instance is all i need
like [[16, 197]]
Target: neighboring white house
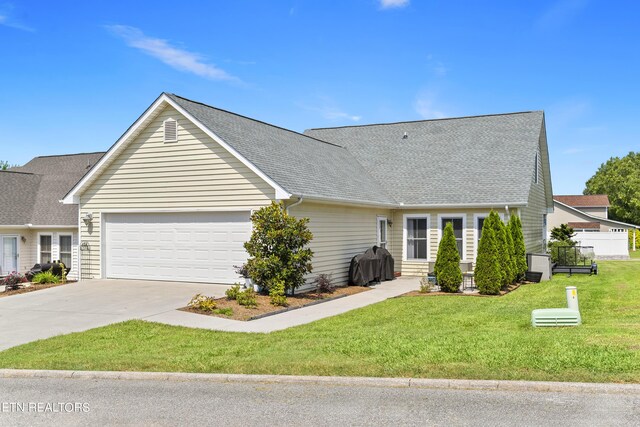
[[171, 199], [34, 226], [588, 216]]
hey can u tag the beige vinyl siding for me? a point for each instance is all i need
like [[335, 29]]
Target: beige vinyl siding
[[600, 212], [532, 214], [414, 268], [339, 233], [194, 173]]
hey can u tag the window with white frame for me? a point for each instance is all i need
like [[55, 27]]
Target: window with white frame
[[479, 225], [416, 229], [65, 249], [45, 254], [458, 231], [382, 232]]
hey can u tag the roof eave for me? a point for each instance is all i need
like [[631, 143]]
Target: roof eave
[[613, 221]]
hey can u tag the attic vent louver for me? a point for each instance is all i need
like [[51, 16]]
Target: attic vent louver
[[170, 130]]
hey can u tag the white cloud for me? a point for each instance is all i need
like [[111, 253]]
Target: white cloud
[[392, 4], [330, 111], [11, 23], [426, 108], [335, 114], [179, 59]]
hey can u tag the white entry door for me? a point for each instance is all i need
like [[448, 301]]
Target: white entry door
[[9, 255], [186, 247]]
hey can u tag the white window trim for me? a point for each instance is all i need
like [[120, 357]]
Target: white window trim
[[60, 247], [38, 254], [164, 130], [463, 216], [475, 230], [405, 217], [386, 224]]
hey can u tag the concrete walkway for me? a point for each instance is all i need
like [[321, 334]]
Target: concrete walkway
[[291, 318]]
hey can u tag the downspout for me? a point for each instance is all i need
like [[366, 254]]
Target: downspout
[[506, 209], [294, 204]]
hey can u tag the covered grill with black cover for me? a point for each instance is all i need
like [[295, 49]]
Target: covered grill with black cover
[[54, 267], [375, 265]]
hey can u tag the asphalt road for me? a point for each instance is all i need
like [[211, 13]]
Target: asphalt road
[[153, 402]]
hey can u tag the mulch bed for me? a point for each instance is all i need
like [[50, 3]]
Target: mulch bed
[[464, 294], [31, 288], [265, 308]]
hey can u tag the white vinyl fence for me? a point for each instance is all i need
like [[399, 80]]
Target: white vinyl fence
[[605, 244]]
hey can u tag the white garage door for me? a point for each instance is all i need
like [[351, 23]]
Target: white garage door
[[187, 247]]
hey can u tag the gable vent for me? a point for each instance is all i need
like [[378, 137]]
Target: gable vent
[[170, 130]]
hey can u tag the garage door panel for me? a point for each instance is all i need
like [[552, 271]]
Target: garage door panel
[[192, 247]]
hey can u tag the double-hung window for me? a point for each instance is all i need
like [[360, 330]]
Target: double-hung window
[[458, 231], [416, 237], [65, 249], [45, 248], [479, 225], [382, 232]]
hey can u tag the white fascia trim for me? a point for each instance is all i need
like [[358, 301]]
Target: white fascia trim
[[281, 193], [362, 203], [179, 210], [499, 205], [73, 196], [404, 236], [599, 219], [45, 227]]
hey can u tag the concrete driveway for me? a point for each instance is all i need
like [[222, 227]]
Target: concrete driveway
[[89, 304]]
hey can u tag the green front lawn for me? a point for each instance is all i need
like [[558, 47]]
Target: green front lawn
[[434, 336], [635, 254]]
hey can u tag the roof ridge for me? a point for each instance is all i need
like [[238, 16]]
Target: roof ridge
[[429, 120], [23, 173], [69, 155], [254, 120]]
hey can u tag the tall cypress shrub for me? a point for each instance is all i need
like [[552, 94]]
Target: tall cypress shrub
[[447, 268], [520, 252], [511, 253], [503, 251], [488, 275]]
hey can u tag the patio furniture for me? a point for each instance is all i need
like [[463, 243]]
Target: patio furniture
[[468, 281]]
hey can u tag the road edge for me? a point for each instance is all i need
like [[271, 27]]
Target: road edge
[[451, 384]]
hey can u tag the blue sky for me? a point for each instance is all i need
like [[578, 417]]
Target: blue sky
[[76, 74]]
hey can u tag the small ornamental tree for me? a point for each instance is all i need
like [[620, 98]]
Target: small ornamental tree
[[447, 268], [513, 275], [488, 275], [561, 237], [520, 252], [503, 251], [277, 248]]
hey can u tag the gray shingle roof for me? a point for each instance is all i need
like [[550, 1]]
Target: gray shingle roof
[[30, 194], [17, 196], [302, 165], [468, 160]]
